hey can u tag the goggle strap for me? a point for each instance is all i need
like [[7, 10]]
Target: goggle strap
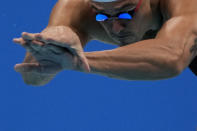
[[138, 5]]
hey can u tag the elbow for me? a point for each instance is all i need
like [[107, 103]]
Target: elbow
[[174, 71], [171, 62], [174, 68]]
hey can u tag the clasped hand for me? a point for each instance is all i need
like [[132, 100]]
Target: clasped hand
[[55, 49]]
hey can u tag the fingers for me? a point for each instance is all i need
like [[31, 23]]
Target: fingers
[[55, 49], [32, 37], [36, 68], [28, 42], [23, 43], [37, 37], [29, 36], [26, 37], [33, 43], [19, 41], [42, 38], [26, 67], [38, 43]]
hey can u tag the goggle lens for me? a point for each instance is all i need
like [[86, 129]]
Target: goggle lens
[[103, 17], [125, 16]]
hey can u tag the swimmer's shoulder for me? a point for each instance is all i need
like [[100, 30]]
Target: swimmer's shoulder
[[174, 8]]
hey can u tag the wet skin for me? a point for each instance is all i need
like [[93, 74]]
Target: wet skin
[[127, 31], [151, 45]]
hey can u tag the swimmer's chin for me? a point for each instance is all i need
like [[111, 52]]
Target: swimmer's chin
[[125, 41]]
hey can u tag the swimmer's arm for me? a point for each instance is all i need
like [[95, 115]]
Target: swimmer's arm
[[72, 14], [144, 60], [64, 13], [164, 57]]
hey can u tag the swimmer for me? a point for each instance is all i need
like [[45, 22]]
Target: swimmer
[[156, 39]]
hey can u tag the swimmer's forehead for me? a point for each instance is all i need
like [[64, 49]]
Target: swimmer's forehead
[[116, 5]]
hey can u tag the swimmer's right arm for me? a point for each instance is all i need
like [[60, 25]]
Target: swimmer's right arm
[[63, 14]]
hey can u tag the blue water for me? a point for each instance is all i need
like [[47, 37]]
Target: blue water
[[75, 101]]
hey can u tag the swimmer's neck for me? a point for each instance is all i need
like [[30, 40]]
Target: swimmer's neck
[[157, 19]]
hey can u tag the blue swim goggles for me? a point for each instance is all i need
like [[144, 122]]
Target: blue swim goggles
[[104, 17], [126, 15]]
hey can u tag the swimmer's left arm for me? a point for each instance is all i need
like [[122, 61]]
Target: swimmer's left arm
[[183, 29], [164, 57]]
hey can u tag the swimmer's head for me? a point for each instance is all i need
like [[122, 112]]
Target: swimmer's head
[[124, 31]]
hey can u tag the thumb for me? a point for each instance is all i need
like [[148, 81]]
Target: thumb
[[85, 64], [83, 61]]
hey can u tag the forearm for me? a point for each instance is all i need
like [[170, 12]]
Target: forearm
[[141, 61]]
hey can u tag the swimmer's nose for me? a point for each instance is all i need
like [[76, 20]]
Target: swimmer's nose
[[117, 27]]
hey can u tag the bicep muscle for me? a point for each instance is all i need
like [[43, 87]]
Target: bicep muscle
[[181, 33]]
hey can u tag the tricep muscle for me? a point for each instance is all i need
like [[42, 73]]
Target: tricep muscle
[[181, 33]]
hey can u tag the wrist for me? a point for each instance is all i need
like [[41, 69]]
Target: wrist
[[77, 64], [80, 66]]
